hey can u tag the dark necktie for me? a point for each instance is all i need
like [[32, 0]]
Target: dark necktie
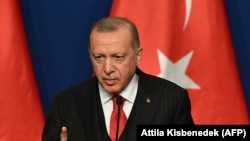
[[118, 118]]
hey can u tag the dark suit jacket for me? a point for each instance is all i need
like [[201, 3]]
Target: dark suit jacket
[[79, 109]]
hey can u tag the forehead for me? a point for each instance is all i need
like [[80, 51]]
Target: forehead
[[119, 37]]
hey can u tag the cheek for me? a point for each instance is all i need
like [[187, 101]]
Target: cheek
[[97, 70], [127, 70]]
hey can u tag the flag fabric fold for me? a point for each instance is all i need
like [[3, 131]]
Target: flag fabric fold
[[189, 42], [21, 116]]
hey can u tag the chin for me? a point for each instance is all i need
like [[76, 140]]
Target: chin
[[112, 91]]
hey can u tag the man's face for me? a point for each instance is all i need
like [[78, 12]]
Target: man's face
[[113, 58]]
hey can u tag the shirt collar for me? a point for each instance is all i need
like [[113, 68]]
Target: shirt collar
[[129, 93]]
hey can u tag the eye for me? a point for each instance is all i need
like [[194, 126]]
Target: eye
[[99, 58], [119, 58]]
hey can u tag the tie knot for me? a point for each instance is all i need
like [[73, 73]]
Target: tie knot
[[118, 100]]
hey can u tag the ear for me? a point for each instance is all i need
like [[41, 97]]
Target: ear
[[139, 55]]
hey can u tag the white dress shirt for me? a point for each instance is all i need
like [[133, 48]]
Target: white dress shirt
[[129, 94]]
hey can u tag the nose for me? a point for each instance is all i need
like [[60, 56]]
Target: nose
[[108, 66]]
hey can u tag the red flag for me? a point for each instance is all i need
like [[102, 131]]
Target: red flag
[[21, 116], [189, 43]]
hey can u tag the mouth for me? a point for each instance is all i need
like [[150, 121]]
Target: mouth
[[109, 81]]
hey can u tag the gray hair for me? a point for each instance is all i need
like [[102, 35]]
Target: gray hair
[[110, 24]]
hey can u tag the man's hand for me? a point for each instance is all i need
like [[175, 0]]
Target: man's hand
[[64, 134]]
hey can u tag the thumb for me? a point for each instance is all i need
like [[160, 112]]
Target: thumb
[[63, 135]]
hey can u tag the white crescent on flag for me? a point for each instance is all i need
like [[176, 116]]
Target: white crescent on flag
[[188, 4]]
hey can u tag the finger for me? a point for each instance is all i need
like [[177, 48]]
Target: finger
[[63, 134]]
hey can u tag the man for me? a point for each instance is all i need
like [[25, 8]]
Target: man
[[83, 112]]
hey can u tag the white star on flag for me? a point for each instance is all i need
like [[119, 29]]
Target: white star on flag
[[175, 72]]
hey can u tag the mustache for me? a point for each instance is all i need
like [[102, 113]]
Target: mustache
[[108, 76]]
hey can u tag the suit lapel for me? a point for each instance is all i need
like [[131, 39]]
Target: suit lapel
[[144, 107], [146, 101], [90, 112]]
